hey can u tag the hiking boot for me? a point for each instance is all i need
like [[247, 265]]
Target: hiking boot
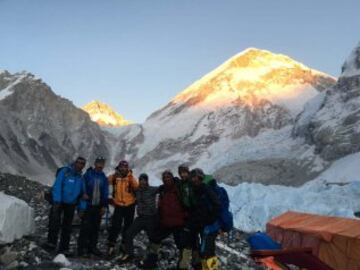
[[125, 258], [96, 252], [149, 263]]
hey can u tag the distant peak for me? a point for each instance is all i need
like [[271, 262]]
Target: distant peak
[[351, 66], [104, 115]]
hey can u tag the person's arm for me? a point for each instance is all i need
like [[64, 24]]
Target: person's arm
[[214, 201], [154, 190], [57, 187], [84, 187], [111, 179], [134, 183]]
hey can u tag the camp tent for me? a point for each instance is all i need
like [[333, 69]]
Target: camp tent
[[335, 241]]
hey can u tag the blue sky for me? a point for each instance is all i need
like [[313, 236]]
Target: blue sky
[[137, 55]]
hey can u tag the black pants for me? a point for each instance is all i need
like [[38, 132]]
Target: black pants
[[90, 226], [61, 217], [122, 215], [161, 233], [208, 245], [146, 223]]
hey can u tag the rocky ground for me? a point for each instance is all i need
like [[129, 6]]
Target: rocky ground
[[27, 253]]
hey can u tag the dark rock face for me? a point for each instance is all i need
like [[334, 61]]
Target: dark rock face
[[41, 131], [28, 254], [334, 127]]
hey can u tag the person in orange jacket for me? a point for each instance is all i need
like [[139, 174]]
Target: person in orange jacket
[[123, 199]]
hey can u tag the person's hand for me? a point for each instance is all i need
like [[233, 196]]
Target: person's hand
[[102, 211], [85, 197]]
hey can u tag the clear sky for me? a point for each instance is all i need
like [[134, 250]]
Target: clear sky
[[137, 55]]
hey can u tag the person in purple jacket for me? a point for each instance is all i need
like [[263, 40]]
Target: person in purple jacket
[[94, 205]]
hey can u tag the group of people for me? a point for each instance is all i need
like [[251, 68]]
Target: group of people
[[187, 207]]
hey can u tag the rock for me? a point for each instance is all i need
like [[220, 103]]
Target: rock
[[37, 260], [8, 257], [12, 265], [24, 264], [32, 246], [62, 260], [331, 124]]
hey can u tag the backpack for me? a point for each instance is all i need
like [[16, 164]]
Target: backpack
[[48, 193], [262, 241], [226, 219]]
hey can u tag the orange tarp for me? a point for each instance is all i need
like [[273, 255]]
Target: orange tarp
[[335, 241]]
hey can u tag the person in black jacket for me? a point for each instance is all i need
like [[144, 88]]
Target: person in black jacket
[[147, 216], [204, 212]]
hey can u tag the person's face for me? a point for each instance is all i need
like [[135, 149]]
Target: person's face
[[167, 180], [196, 181], [184, 174], [143, 183], [99, 166], [123, 170], [79, 165]]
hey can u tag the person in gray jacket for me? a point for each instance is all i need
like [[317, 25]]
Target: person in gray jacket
[[147, 216]]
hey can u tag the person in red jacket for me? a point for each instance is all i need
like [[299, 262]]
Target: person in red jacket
[[171, 219]]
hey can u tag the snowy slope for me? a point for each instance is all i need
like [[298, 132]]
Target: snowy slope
[[16, 219], [255, 204]]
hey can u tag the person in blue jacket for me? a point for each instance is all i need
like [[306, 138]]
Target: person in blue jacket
[[66, 193], [96, 190]]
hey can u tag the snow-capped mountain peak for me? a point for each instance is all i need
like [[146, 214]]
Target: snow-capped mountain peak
[[253, 75], [104, 115]]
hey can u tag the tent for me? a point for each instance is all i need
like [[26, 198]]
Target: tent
[[335, 241]]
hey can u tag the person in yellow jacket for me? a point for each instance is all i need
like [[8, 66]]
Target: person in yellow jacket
[[123, 199]]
